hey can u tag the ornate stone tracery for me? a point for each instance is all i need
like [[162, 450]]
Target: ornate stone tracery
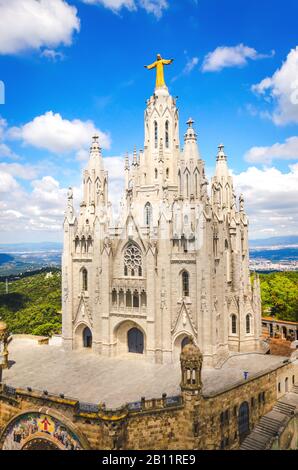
[[133, 260]]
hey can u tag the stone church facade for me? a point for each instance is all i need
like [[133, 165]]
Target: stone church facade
[[173, 264]]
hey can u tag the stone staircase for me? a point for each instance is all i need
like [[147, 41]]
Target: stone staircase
[[269, 425], [285, 408], [264, 431]]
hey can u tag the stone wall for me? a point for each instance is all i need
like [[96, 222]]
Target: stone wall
[[189, 421]]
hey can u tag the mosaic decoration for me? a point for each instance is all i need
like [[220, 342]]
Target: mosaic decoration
[[42, 431]]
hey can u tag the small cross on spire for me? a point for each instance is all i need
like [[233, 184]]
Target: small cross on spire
[[190, 122]]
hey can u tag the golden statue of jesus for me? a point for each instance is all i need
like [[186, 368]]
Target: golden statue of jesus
[[159, 64]]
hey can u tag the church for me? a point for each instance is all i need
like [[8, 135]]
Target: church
[[165, 281], [173, 264]]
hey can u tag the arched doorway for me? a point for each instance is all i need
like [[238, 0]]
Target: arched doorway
[[184, 342], [284, 332], [87, 338], [243, 420], [135, 340], [40, 444]]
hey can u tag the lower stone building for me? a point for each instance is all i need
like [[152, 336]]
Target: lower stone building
[[190, 406]]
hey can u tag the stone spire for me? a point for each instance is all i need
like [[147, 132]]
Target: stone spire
[[222, 183], [95, 160], [221, 163], [95, 177], [191, 151]]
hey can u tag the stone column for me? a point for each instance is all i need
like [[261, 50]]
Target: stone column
[[3, 346]]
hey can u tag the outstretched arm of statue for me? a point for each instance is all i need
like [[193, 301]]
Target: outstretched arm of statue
[[166, 61], [151, 66]]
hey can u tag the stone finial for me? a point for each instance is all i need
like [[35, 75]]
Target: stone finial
[[95, 143], [221, 152], [190, 134], [191, 360], [190, 122]]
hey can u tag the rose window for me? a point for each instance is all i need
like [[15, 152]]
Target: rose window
[[132, 261]]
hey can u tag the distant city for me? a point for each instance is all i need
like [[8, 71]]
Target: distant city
[[270, 254]]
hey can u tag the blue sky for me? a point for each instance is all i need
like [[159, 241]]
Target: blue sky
[[73, 67]]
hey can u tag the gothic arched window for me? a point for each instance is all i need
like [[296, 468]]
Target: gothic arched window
[[196, 184], [167, 172], [185, 284], [187, 185], [155, 134], [247, 323], [132, 260], [84, 279], [114, 297], [155, 173], [148, 213], [167, 134], [233, 324], [135, 299]]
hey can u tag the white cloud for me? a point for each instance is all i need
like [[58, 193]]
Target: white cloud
[[51, 132], [271, 199], [285, 151], [33, 24], [114, 5], [52, 55], [7, 182], [26, 172], [236, 56], [27, 212], [155, 7], [282, 90], [38, 212], [5, 151], [190, 65]]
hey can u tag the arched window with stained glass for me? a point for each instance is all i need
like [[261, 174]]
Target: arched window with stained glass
[[148, 213], [234, 324], [167, 139], [84, 279], [155, 134], [185, 284]]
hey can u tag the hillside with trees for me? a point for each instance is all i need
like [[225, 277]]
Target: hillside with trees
[[33, 303], [280, 295]]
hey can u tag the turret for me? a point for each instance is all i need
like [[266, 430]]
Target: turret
[[222, 183], [191, 151], [191, 360], [95, 177]]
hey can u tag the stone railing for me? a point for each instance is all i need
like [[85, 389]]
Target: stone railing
[[94, 410]]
